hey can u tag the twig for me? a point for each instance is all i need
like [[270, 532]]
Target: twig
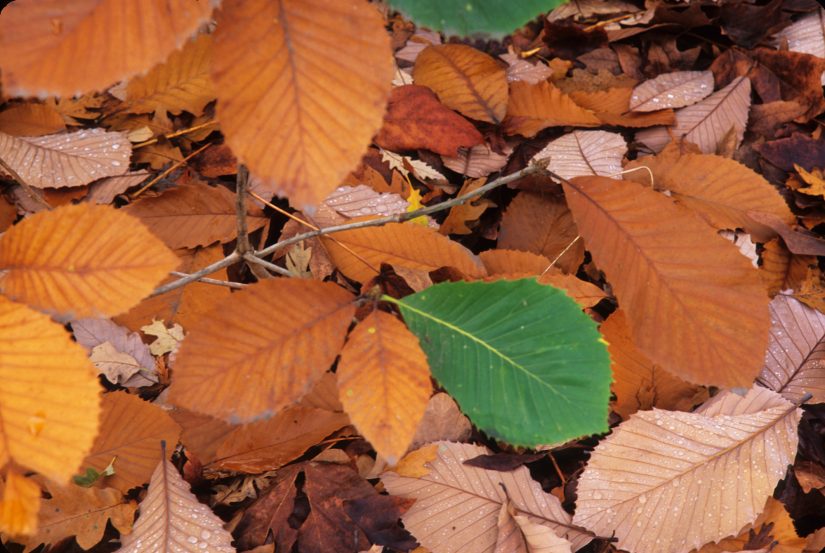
[[258, 262], [233, 258], [226, 283], [174, 166], [175, 134], [564, 251], [24, 185], [242, 242]]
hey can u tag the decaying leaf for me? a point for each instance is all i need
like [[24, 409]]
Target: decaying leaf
[[672, 481]]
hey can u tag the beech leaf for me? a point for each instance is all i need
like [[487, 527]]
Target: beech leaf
[[478, 161], [672, 481], [536, 107], [581, 153], [672, 90], [806, 35], [19, 505]]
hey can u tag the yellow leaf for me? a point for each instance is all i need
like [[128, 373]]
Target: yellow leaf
[[19, 506], [167, 339], [82, 260]]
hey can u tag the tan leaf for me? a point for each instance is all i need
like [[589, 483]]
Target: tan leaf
[[541, 224], [584, 293], [39, 360], [193, 214], [535, 107], [300, 125], [468, 212], [31, 119], [672, 481], [131, 431], [464, 79], [104, 265], [284, 333], [519, 69], [478, 161], [416, 44], [117, 366], [638, 384], [184, 305], [19, 506], [53, 48], [66, 160], [181, 83], [104, 191], [442, 420], [778, 527], [167, 340], [400, 244], [269, 444], [672, 90], [706, 123], [445, 489], [82, 513], [795, 360], [348, 202], [172, 519], [582, 153], [721, 190], [384, 383], [91, 333], [694, 304], [519, 534]]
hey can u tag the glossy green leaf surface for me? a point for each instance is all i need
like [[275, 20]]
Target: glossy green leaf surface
[[473, 17], [522, 360]]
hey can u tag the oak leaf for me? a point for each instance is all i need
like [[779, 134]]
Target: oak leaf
[[694, 304], [384, 383], [284, 333], [298, 124], [167, 339], [51, 48], [465, 79], [672, 481], [535, 107]]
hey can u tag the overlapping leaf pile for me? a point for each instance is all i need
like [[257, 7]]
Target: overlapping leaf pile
[[653, 256]]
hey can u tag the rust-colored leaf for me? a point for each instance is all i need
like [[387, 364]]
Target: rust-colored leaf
[[271, 342], [300, 125], [510, 262], [694, 304], [84, 260], [469, 212], [535, 107], [465, 79], [30, 119], [612, 105], [384, 383], [51, 47], [416, 119]]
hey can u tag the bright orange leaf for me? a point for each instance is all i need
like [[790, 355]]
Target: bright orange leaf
[[536, 107], [19, 506]]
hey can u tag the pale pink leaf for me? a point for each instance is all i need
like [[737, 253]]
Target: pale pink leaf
[[584, 9], [347, 202], [706, 123], [672, 90], [522, 70], [479, 161], [806, 35], [104, 191], [582, 153], [66, 159], [416, 44]]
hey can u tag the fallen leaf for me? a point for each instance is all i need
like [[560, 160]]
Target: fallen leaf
[[805, 35], [774, 525], [91, 333], [384, 383], [672, 90], [167, 340], [442, 420], [118, 367], [30, 119], [582, 153], [468, 212], [104, 191], [478, 161], [300, 125], [465, 79], [689, 468], [171, 518], [798, 240], [519, 69], [19, 506], [502, 262], [535, 107], [416, 44], [612, 107]]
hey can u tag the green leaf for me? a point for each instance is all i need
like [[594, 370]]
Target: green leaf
[[522, 360], [465, 17], [91, 476]]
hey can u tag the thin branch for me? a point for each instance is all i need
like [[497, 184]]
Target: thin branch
[[230, 259], [256, 261], [242, 242], [165, 173], [226, 283], [27, 188]]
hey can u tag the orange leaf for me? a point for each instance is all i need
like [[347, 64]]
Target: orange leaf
[[84, 260], [19, 506], [270, 343], [612, 107], [467, 212], [184, 305], [31, 120], [49, 394], [299, 123], [584, 293], [130, 431], [416, 119], [465, 79], [181, 83], [193, 214], [51, 47], [541, 224], [536, 107], [384, 383], [511, 262], [640, 385], [399, 244], [694, 304]]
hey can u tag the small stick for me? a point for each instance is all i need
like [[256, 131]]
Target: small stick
[[242, 242], [205, 280], [165, 173]]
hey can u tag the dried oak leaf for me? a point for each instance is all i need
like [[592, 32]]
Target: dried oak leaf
[[346, 514], [465, 79], [416, 119], [457, 506], [694, 304], [673, 481]]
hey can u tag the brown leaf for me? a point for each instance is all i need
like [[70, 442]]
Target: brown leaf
[[300, 125], [612, 107], [66, 160], [465, 79], [468, 212], [30, 119], [442, 420], [581, 153], [798, 240], [535, 107], [384, 383], [775, 528], [694, 304], [511, 262], [707, 122], [285, 333], [806, 35], [194, 214], [104, 191], [416, 119], [201, 435], [91, 333], [478, 161], [781, 270], [541, 224], [584, 293], [638, 384], [672, 90], [41, 43]]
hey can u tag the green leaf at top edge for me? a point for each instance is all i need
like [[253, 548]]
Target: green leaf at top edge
[[522, 360]]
